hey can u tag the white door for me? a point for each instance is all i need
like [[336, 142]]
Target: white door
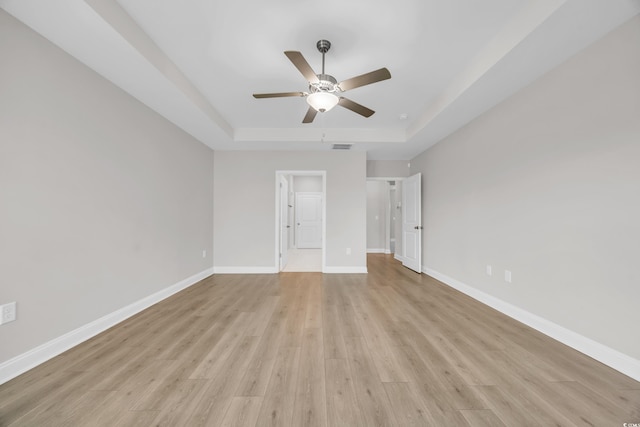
[[284, 221], [308, 220], [411, 222]]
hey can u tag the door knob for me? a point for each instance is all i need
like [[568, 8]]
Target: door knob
[[418, 227]]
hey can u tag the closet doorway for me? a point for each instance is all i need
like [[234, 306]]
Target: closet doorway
[[300, 220]]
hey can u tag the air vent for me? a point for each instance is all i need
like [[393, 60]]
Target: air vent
[[341, 147]]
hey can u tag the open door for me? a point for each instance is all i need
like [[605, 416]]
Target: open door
[[411, 222], [284, 221]]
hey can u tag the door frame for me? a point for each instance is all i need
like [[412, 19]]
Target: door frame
[[283, 245], [286, 173], [390, 209]]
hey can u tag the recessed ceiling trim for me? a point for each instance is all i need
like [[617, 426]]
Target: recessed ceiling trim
[[516, 30], [318, 134], [121, 22], [124, 43]]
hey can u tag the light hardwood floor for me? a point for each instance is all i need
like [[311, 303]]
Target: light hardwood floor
[[391, 348]]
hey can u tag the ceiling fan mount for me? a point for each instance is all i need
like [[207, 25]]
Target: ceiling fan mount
[[324, 89], [323, 46]]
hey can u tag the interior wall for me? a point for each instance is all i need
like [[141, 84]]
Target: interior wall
[[377, 217], [244, 212], [387, 168], [307, 184], [546, 185], [104, 202]]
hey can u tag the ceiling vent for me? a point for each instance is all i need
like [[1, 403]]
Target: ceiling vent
[[341, 146]]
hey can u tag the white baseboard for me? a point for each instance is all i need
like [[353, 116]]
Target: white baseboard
[[399, 257], [34, 357], [245, 270], [600, 352], [273, 270], [345, 270]]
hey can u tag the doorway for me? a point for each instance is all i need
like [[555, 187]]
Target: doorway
[[384, 216], [395, 204], [300, 220]]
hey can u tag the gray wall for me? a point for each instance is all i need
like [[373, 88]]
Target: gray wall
[[307, 184], [103, 201], [377, 207], [547, 185], [244, 212], [387, 168]]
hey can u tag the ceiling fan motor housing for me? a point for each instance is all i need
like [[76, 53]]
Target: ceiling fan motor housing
[[327, 83]]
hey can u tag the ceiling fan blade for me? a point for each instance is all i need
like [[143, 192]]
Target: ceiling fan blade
[[365, 79], [302, 65], [355, 107], [311, 114], [277, 95]]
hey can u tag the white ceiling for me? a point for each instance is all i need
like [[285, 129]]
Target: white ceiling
[[197, 62]]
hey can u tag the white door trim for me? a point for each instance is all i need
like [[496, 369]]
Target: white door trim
[[321, 173], [284, 223]]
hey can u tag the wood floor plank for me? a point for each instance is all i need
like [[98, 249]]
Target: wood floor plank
[[481, 418], [296, 302], [256, 378], [407, 405], [346, 314], [372, 398], [178, 405], [32, 397], [378, 342], [243, 412], [262, 316], [135, 419], [510, 410], [333, 340], [310, 408], [125, 395], [277, 406], [65, 411], [584, 406], [388, 348], [313, 315], [216, 398], [229, 341], [629, 400], [342, 403]]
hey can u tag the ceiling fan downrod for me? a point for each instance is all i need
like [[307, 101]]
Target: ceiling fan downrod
[[323, 46]]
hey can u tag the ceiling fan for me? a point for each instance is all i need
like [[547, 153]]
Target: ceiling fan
[[324, 90]]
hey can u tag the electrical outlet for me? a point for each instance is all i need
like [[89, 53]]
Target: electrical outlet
[[8, 313], [507, 276], [348, 251], [204, 253], [489, 270]]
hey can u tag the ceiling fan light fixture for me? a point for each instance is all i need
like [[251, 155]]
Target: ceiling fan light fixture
[[324, 90], [322, 101]]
